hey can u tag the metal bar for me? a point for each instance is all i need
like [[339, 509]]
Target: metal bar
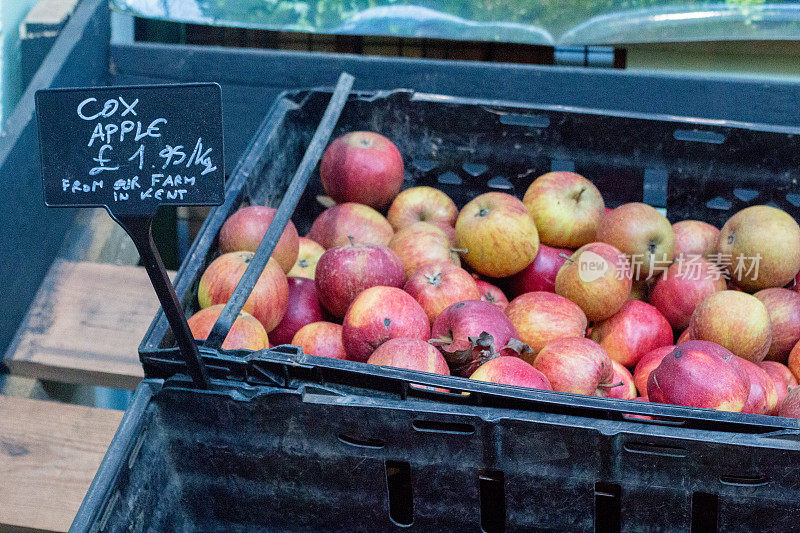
[[285, 210]]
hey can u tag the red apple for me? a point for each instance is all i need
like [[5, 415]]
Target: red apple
[[576, 365], [492, 294], [647, 364], [541, 317], [245, 228], [699, 374], [498, 234], [640, 290], [643, 234], [783, 307], [735, 320], [303, 309], [509, 370], [636, 329], [323, 339], [469, 333], [413, 354], [761, 246], [422, 243], [597, 278], [422, 204], [267, 301], [307, 258], [379, 314], [623, 388], [763, 397], [363, 167], [247, 333], [782, 376], [440, 284], [541, 274], [694, 238], [340, 224], [791, 405], [794, 361], [566, 208], [344, 272], [683, 286]]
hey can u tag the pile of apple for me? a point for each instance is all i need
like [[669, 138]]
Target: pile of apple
[[599, 296]]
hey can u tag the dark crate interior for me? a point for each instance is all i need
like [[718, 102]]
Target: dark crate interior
[[696, 169], [320, 458]]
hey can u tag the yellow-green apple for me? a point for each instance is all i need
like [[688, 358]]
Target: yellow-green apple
[[783, 307], [763, 397], [794, 361], [695, 238], [640, 290], [596, 277], [685, 284], [379, 314], [267, 301], [699, 374], [422, 204], [575, 364], [566, 208], [342, 224], [647, 364], [735, 320], [413, 354], [439, 284], [492, 294], [344, 272], [791, 404], [307, 257], [636, 329], [469, 333], [510, 370], [541, 317], [782, 376], [761, 246], [245, 228], [303, 309], [247, 333], [498, 234], [422, 243], [540, 275], [643, 234], [323, 339], [363, 167], [623, 386]]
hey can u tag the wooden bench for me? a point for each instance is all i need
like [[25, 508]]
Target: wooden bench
[[49, 453]]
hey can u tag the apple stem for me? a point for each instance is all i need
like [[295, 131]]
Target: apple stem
[[459, 250], [352, 241], [439, 341], [609, 386], [562, 255]]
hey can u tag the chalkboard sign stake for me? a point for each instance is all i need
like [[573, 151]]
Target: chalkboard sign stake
[[138, 228]]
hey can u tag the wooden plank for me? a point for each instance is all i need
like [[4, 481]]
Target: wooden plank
[[49, 453], [85, 325]]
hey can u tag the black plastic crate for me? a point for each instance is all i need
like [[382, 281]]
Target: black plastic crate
[[290, 441]]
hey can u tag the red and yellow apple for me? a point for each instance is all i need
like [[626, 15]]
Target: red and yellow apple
[[422, 204], [636, 329], [245, 228], [303, 309], [541, 317], [492, 294], [439, 284], [683, 286], [647, 364], [791, 404], [575, 364], [342, 224], [413, 354], [510, 370], [422, 243], [763, 397], [323, 339], [307, 257], [622, 387], [694, 238], [247, 333], [781, 375], [540, 275], [783, 307]]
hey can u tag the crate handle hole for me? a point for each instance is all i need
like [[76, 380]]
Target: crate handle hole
[[493, 501], [655, 449], [401, 497], [361, 442], [700, 136], [453, 428], [429, 390], [607, 506], [705, 512], [744, 481]]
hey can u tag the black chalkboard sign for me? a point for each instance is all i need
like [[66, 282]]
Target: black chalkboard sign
[[131, 149]]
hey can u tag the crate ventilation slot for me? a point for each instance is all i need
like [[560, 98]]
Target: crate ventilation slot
[[699, 136], [493, 501], [745, 195], [423, 165], [500, 183], [401, 497], [793, 199], [449, 178], [744, 481], [607, 507], [453, 428], [474, 169], [532, 121], [718, 203], [561, 165], [655, 449], [361, 442], [705, 511]]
